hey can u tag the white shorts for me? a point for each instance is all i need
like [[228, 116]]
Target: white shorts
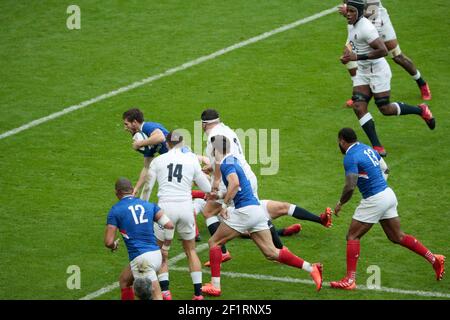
[[199, 205], [263, 204], [146, 265], [385, 28], [378, 207], [377, 75], [249, 218], [182, 216]]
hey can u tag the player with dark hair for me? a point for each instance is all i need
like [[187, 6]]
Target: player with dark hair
[[212, 126], [152, 142], [143, 288], [379, 204], [378, 15], [374, 75], [246, 215], [134, 219]]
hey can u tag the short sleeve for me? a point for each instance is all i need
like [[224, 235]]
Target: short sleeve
[[227, 169], [112, 218], [371, 33], [350, 165]]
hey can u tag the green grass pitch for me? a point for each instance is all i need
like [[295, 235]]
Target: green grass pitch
[[57, 178]]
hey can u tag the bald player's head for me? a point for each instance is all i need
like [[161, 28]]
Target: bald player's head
[[123, 187]]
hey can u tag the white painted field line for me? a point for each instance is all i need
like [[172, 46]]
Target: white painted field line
[[115, 285], [325, 284], [166, 73]]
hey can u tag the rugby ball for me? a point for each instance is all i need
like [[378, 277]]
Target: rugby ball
[[139, 136]]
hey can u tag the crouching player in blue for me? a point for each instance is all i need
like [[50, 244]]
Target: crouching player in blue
[[379, 204], [246, 215], [134, 219]]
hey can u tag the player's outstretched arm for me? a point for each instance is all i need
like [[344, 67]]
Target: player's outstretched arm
[[143, 175]]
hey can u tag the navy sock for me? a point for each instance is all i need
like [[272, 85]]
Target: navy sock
[[164, 285], [275, 236], [420, 82], [369, 129], [303, 214], [212, 229], [198, 289], [407, 109]]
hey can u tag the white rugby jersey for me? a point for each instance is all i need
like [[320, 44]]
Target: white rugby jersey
[[375, 12], [360, 36], [235, 147], [175, 172]]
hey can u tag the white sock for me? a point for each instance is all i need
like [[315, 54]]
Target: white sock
[[291, 209], [211, 220], [367, 117], [196, 277], [399, 111], [163, 276], [417, 75], [215, 282], [307, 267]]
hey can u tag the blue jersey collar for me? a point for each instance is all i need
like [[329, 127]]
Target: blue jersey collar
[[356, 143]]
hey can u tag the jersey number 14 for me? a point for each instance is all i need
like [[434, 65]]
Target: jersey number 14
[[177, 173]]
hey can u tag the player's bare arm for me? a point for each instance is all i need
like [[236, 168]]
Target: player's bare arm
[[110, 234], [156, 137], [169, 231], [379, 51], [232, 189], [350, 184], [143, 175]]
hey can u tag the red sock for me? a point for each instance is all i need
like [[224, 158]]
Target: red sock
[[353, 248], [127, 293], [287, 257], [413, 244], [215, 259], [198, 194]]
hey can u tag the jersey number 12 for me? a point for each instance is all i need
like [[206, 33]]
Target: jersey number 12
[[133, 210]]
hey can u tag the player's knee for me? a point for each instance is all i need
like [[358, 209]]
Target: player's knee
[[396, 54], [396, 237], [383, 105]]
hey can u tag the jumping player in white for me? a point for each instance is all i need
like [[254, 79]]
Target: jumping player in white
[[378, 15], [373, 77]]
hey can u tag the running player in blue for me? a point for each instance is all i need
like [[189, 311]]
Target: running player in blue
[[378, 204], [246, 215], [151, 142], [134, 219]]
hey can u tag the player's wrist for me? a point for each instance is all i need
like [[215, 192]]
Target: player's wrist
[[224, 206], [362, 56]]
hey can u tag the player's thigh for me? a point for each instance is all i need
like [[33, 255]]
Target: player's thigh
[[263, 240], [277, 209], [211, 208], [126, 277], [184, 212], [363, 88], [392, 228], [223, 234], [358, 229]]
